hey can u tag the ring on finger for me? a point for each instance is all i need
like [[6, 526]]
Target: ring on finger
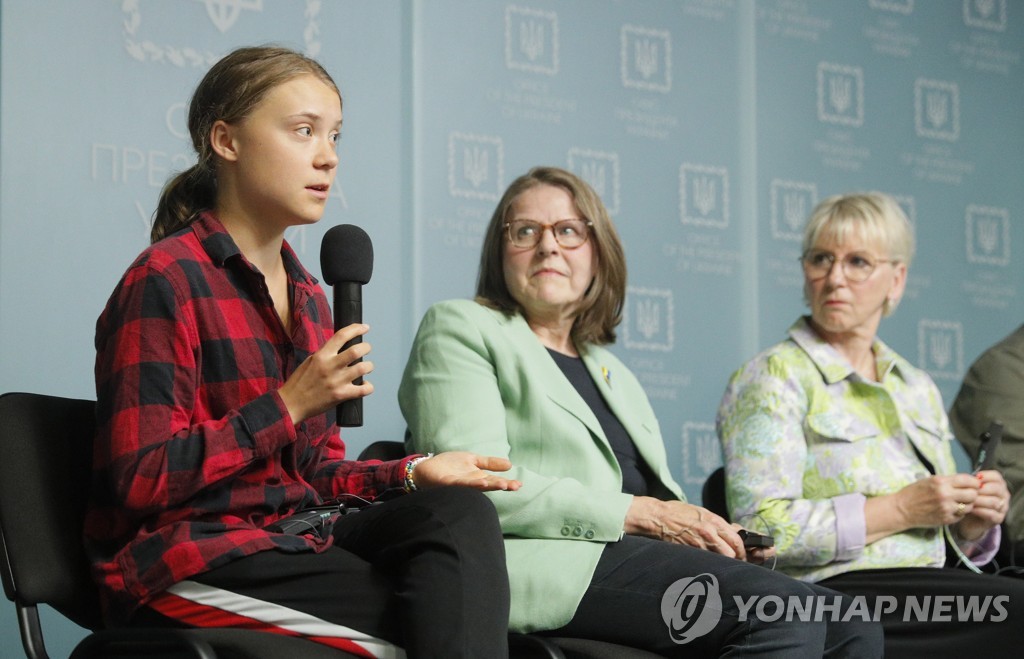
[[960, 508]]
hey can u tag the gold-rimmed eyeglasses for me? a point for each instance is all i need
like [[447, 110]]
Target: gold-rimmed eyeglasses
[[570, 234], [856, 266]]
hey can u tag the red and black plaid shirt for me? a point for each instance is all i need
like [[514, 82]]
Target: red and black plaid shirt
[[195, 451]]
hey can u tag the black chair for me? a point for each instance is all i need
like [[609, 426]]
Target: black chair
[[528, 646], [45, 458], [713, 493]]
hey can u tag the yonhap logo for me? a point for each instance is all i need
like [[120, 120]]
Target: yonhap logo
[[832, 608], [691, 607]]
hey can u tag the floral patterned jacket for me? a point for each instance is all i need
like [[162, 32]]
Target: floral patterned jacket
[[806, 440]]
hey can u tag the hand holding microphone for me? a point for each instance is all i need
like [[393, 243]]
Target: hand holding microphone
[[346, 260], [327, 376], [335, 372]]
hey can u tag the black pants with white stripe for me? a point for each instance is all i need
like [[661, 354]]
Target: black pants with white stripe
[[425, 572]]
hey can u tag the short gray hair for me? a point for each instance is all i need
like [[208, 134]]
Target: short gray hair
[[875, 215]]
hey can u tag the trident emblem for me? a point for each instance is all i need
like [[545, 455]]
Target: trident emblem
[[648, 319], [646, 53], [937, 108], [840, 93], [985, 7], [594, 174], [988, 233], [941, 348], [531, 39], [224, 13], [705, 193], [475, 165], [708, 453], [793, 209]]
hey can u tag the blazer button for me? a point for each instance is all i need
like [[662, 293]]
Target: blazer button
[[565, 530], [577, 532], [589, 535]]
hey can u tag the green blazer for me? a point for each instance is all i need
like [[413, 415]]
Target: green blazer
[[481, 381]]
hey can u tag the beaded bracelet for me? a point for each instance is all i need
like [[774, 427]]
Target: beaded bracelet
[[410, 484]]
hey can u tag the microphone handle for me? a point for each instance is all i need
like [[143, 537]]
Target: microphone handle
[[348, 309]]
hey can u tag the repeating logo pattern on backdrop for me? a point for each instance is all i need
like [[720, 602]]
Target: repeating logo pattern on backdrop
[[909, 207], [702, 452], [940, 348], [223, 14], [985, 14], [840, 94], [988, 235], [704, 195], [145, 41], [476, 166], [898, 6], [600, 133], [646, 58], [601, 170], [937, 109], [531, 40], [647, 320], [791, 203]]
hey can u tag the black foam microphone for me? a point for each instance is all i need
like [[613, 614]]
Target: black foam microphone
[[346, 261]]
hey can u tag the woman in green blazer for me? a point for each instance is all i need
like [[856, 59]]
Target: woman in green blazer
[[599, 539]]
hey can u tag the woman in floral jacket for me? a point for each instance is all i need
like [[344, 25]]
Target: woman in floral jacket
[[840, 449]]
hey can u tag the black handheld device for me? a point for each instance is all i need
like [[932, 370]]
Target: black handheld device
[[986, 458], [312, 520], [754, 540]]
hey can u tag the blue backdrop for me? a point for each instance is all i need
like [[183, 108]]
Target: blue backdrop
[[710, 128]]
